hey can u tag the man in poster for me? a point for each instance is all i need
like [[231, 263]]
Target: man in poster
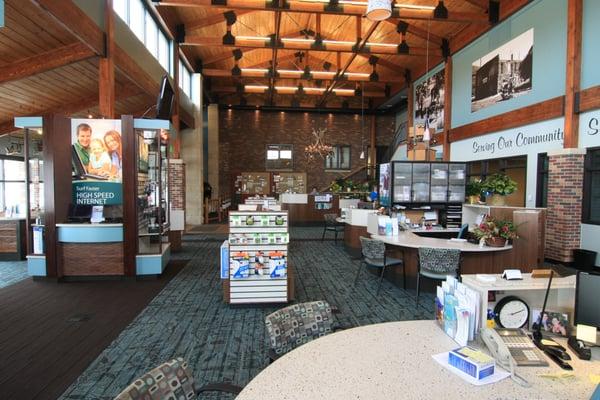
[[82, 145]]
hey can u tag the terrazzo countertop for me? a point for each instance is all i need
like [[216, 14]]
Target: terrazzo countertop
[[393, 361], [411, 240]]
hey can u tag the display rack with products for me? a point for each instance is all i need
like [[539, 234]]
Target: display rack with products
[[289, 182], [258, 257]]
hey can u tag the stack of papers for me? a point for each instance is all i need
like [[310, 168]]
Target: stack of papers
[[458, 310]]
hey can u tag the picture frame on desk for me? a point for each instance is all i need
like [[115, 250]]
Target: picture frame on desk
[[557, 323]]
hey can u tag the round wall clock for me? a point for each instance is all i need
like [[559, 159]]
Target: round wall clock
[[511, 312]]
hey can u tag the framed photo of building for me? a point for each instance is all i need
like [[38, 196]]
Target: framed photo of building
[[503, 74]]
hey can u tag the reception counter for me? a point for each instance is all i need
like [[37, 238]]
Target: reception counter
[[12, 238], [308, 209]]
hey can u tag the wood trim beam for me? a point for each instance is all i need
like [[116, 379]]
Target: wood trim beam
[[106, 66], [321, 8], [549, 109], [128, 67], [45, 61], [589, 99], [482, 4], [286, 74], [211, 20], [447, 107], [203, 41], [573, 78], [68, 15], [419, 32], [308, 91]]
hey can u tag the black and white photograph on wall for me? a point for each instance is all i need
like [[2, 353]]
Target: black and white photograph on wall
[[503, 74], [429, 103]]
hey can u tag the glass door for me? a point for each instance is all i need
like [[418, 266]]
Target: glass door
[[34, 164], [402, 182], [439, 182], [456, 183], [149, 179], [420, 181]]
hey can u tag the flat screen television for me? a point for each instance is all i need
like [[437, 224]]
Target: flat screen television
[[164, 102]]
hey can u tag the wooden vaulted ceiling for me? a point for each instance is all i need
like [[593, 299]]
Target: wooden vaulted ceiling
[[203, 24], [45, 69]]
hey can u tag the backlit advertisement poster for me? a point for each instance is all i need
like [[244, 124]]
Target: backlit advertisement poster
[[96, 156], [384, 184]]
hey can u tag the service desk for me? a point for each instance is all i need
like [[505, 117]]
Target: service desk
[[474, 259], [393, 361], [308, 209], [355, 225]]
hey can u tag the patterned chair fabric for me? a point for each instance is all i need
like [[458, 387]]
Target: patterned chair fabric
[[372, 249], [169, 381], [330, 219], [298, 324], [439, 261]]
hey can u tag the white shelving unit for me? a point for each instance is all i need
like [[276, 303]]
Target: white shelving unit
[[258, 257]]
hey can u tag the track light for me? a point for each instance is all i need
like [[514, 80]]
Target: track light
[[374, 77], [237, 54], [373, 60], [236, 71], [403, 47], [440, 11], [307, 74], [230, 17], [326, 65], [402, 27]]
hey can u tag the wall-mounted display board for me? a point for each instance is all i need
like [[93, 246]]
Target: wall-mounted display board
[[253, 183], [289, 182]]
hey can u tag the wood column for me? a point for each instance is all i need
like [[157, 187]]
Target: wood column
[[573, 81], [176, 91], [57, 185], [447, 107], [106, 79], [130, 217]]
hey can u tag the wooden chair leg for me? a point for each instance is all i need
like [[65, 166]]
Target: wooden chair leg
[[381, 278]]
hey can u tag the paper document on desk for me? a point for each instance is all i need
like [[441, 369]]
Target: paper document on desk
[[498, 375]]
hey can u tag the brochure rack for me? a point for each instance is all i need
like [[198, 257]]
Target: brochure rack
[[258, 257]]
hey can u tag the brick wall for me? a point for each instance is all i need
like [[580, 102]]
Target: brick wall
[[177, 185], [565, 198], [243, 136]]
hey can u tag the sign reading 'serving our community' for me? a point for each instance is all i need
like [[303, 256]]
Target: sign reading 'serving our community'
[[535, 138], [589, 129]]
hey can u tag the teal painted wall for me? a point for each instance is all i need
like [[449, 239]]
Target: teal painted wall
[[590, 48], [548, 18]]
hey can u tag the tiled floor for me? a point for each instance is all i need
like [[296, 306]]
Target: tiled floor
[[224, 343], [12, 272]]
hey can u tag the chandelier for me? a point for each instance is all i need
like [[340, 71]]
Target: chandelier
[[318, 147]]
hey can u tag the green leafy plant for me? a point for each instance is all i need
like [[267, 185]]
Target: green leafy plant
[[500, 184], [494, 228], [474, 188]]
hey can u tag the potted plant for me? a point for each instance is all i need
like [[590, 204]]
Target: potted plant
[[498, 186], [473, 191], [495, 232]]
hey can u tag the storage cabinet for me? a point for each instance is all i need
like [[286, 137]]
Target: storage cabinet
[[424, 182]]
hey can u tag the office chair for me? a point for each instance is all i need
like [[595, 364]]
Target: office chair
[[373, 252], [171, 380], [332, 225], [437, 264]]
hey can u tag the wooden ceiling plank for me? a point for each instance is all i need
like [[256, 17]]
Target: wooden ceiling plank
[[45, 61], [223, 73], [482, 4], [212, 20], [36, 27], [75, 21], [320, 8]]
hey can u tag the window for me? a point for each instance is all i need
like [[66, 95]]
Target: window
[[591, 188], [279, 157], [12, 185], [541, 198], [340, 159], [137, 18], [164, 51], [185, 79], [151, 36], [121, 7]]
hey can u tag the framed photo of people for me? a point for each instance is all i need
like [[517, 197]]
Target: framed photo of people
[[429, 103]]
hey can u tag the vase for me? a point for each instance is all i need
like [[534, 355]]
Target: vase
[[495, 242], [496, 200]]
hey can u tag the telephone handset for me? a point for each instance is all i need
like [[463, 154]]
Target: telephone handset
[[501, 353]]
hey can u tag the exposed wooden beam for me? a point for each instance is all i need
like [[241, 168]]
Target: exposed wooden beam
[[211, 20], [343, 47], [419, 32], [84, 103], [341, 72], [482, 4], [321, 8], [106, 66], [309, 91], [45, 61], [573, 81], [272, 81], [386, 63], [130, 68], [589, 99], [68, 15], [288, 74]]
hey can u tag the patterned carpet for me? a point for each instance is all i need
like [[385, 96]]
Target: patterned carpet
[[228, 344], [12, 272]]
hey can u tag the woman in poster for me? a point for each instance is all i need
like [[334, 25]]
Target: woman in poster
[[112, 139]]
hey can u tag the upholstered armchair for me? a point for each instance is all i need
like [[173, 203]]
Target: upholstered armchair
[[296, 325], [171, 380], [373, 252], [437, 264]]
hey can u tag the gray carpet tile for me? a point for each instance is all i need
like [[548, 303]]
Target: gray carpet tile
[[12, 272], [226, 343]]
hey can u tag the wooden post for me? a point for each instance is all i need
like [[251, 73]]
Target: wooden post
[[106, 80], [176, 90], [447, 107], [572, 86], [130, 216]]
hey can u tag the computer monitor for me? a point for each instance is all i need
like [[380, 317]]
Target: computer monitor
[[80, 212], [164, 102], [587, 311]]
